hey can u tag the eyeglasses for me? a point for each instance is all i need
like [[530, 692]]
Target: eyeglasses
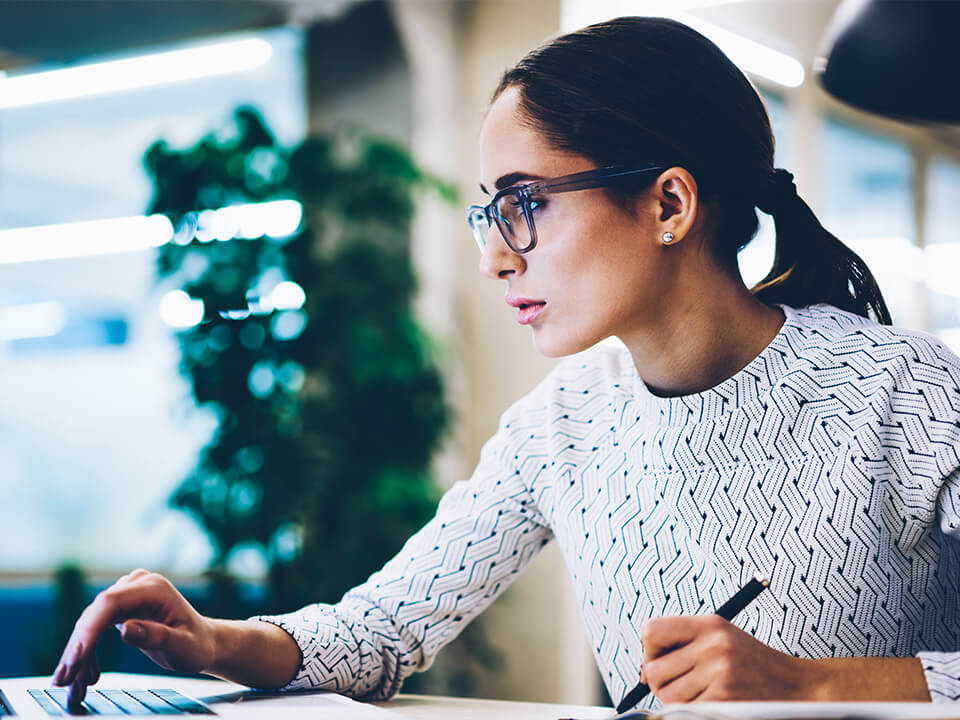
[[513, 208]]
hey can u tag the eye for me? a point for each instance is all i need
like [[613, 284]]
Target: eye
[[536, 204]]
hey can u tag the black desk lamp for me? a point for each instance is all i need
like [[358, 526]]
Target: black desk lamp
[[899, 58]]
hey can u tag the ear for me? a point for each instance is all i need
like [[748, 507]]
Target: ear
[[675, 195]]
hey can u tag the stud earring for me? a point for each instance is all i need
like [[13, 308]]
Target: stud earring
[[667, 238]]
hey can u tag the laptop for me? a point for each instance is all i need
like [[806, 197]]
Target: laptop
[[120, 694]]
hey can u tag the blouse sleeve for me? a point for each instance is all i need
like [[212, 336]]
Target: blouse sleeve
[[484, 532], [942, 669]]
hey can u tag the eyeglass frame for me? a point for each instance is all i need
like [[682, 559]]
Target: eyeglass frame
[[586, 180]]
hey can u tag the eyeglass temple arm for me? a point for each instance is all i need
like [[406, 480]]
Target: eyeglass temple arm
[[585, 180]]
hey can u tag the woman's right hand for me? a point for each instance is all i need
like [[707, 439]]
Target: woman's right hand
[[151, 615]]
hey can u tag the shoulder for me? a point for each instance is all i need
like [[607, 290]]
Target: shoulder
[[909, 360], [845, 334]]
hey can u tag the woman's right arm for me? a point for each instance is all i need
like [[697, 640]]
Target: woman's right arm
[[485, 531], [153, 616]]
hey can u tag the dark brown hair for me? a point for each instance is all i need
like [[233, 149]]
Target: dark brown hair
[[643, 89]]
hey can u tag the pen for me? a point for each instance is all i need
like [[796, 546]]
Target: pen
[[729, 610]]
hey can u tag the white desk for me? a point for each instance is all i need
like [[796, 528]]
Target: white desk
[[425, 707], [410, 707], [429, 707]]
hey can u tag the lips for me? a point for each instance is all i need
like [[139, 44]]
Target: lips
[[526, 314], [528, 309], [518, 301]]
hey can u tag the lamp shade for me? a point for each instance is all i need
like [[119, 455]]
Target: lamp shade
[[899, 58]]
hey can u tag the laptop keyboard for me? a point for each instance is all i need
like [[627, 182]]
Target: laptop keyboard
[[120, 702], [5, 708]]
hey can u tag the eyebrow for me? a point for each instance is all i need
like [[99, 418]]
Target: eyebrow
[[511, 179]]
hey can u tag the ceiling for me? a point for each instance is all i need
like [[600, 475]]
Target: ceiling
[[61, 31], [796, 27], [53, 32]]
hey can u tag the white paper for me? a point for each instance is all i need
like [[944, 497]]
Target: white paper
[[800, 710]]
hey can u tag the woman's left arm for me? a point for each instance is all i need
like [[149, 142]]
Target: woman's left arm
[[707, 658], [688, 658]]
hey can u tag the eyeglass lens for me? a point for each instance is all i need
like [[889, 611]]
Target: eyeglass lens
[[510, 219], [509, 212]]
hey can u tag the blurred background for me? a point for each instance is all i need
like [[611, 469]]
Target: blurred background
[[241, 322]]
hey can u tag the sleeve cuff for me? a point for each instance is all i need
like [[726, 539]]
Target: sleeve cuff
[[329, 659], [942, 671]]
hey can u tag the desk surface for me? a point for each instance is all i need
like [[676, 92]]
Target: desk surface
[[430, 707], [409, 707], [426, 707]]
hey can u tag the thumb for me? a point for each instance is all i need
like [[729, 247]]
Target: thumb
[[171, 647], [144, 634]]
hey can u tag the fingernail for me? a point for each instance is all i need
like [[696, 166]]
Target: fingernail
[[57, 679]]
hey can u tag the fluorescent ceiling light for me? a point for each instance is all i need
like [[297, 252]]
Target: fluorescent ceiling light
[[749, 55], [80, 239], [45, 319], [133, 73], [276, 219]]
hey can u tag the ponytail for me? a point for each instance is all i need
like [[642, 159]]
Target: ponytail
[[810, 264]]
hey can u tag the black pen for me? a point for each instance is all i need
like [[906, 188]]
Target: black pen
[[728, 611]]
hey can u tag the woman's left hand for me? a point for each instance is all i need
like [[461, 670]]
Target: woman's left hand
[[704, 657]]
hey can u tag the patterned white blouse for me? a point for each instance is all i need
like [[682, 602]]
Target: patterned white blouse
[[831, 464]]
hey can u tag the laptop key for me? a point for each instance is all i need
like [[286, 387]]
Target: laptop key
[[182, 703], [101, 705], [45, 702], [5, 708], [156, 705], [125, 702], [59, 696]]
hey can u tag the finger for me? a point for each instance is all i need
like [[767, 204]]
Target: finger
[[131, 576], [663, 634], [87, 674], [71, 662], [94, 669], [177, 645], [118, 604], [668, 667], [145, 635], [114, 605], [684, 689], [58, 674], [78, 685], [66, 657]]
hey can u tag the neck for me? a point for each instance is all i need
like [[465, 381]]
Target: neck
[[697, 343]]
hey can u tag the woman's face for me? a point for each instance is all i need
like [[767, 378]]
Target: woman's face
[[597, 269]]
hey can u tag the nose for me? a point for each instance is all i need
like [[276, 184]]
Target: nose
[[498, 261]]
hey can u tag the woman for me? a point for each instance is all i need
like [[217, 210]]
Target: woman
[[777, 429]]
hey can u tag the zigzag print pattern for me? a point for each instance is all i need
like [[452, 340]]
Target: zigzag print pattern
[[942, 671], [829, 464]]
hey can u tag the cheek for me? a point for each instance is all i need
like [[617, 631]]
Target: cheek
[[613, 274], [594, 296]]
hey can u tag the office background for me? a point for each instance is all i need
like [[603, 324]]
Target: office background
[[98, 426]]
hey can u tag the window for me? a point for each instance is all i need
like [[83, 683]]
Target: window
[[943, 250], [866, 200], [96, 426]]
